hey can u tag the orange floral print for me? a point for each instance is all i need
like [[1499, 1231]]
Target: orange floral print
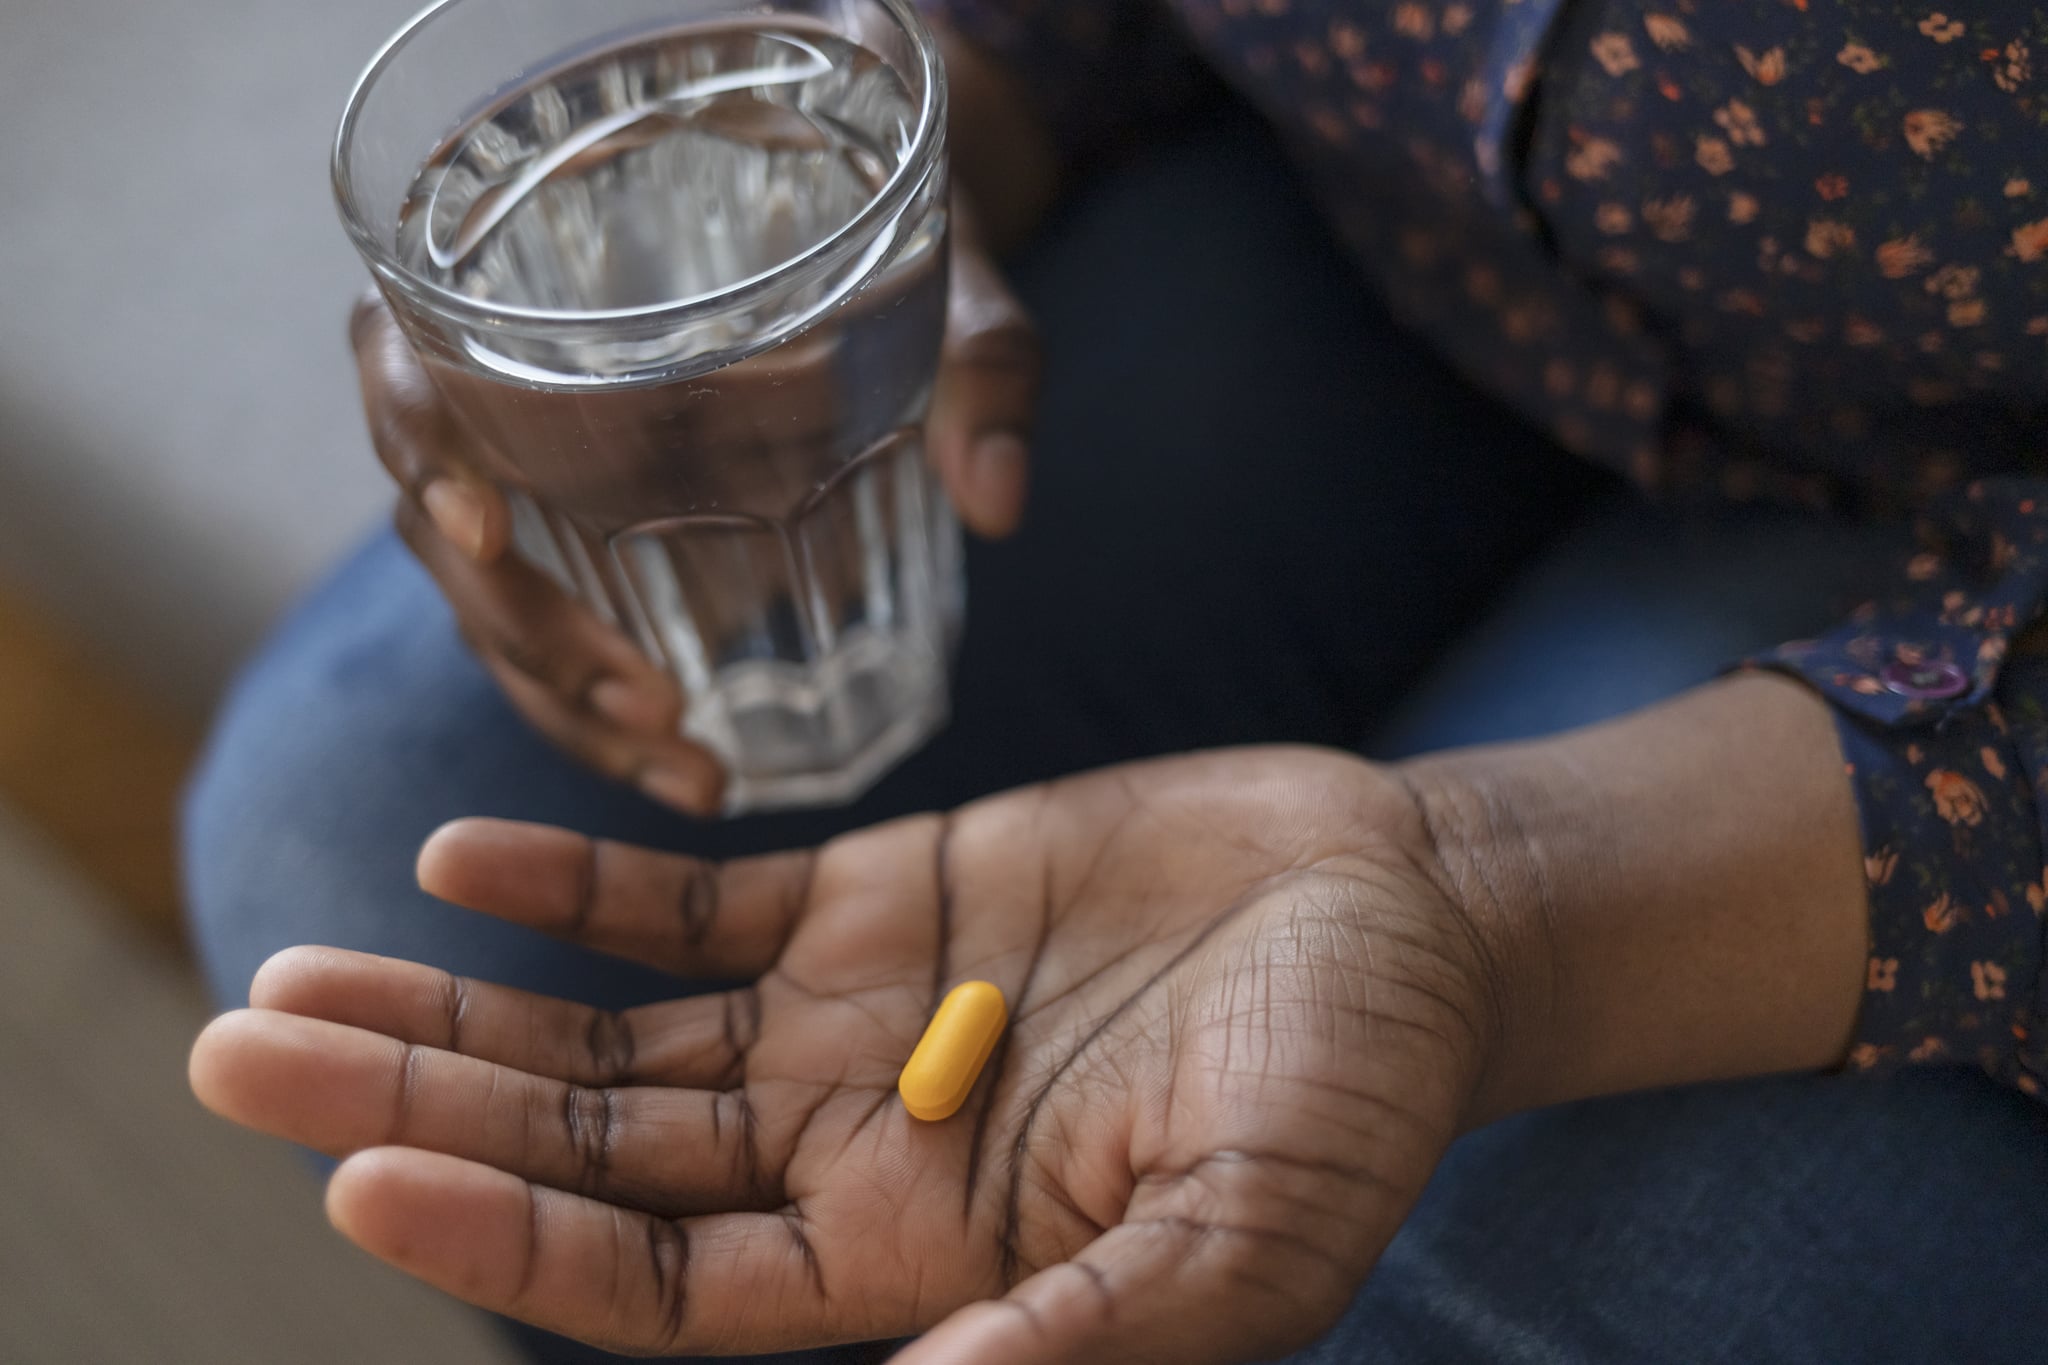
[[1859, 59], [2015, 69], [1713, 156], [1878, 867], [1928, 131], [2030, 240], [1739, 121], [1902, 256], [1412, 20], [1987, 980], [1594, 159], [1941, 28], [1668, 33], [1883, 974], [1615, 53], [1826, 238], [1670, 220], [1767, 68], [1954, 282], [1940, 917], [1957, 799], [1993, 764]]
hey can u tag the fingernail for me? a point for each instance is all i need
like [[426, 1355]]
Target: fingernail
[[996, 466], [629, 707], [458, 514], [682, 791]]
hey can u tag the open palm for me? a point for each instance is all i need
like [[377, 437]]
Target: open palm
[[1243, 1031]]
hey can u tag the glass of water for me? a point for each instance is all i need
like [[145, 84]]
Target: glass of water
[[679, 266]]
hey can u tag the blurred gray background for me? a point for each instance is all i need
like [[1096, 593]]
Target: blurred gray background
[[180, 445], [180, 452]]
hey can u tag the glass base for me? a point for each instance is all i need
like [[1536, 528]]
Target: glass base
[[812, 650], [911, 722]]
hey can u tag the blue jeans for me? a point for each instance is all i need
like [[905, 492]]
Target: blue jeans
[[1260, 512]]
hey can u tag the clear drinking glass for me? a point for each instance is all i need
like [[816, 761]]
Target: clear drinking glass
[[679, 266]]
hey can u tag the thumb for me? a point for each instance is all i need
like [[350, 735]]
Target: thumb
[[417, 438], [987, 389], [1172, 1291]]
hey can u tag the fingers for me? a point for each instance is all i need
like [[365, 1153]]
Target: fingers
[[417, 439], [666, 768], [987, 390], [684, 915], [339, 1090], [575, 678], [1172, 1292], [721, 1284], [515, 612], [698, 1042]]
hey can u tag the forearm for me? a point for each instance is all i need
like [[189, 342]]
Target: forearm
[[1676, 896]]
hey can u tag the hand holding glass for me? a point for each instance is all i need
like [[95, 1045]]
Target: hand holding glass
[[679, 268]]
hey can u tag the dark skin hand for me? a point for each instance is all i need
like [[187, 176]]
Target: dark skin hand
[[1255, 995], [573, 676], [1245, 1024]]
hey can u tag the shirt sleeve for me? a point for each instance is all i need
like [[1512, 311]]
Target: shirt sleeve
[[1095, 70], [1941, 697]]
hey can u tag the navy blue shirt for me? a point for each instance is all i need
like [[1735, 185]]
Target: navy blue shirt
[[1794, 249]]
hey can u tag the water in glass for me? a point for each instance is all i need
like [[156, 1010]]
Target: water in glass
[[757, 513]]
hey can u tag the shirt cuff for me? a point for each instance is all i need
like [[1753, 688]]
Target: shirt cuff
[[1944, 728]]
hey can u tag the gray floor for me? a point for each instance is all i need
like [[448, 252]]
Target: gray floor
[[133, 1225]]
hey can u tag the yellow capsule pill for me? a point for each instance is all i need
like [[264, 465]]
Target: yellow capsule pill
[[955, 1046]]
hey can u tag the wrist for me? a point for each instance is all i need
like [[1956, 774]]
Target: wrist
[[1477, 847], [1677, 895]]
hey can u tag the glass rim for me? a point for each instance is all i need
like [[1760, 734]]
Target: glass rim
[[383, 261]]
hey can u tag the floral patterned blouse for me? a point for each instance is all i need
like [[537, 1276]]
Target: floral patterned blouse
[[1784, 248]]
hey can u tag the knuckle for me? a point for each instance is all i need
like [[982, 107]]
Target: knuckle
[[540, 706], [561, 671], [734, 1118], [590, 1128], [454, 1003], [609, 1046], [410, 440], [668, 1255]]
